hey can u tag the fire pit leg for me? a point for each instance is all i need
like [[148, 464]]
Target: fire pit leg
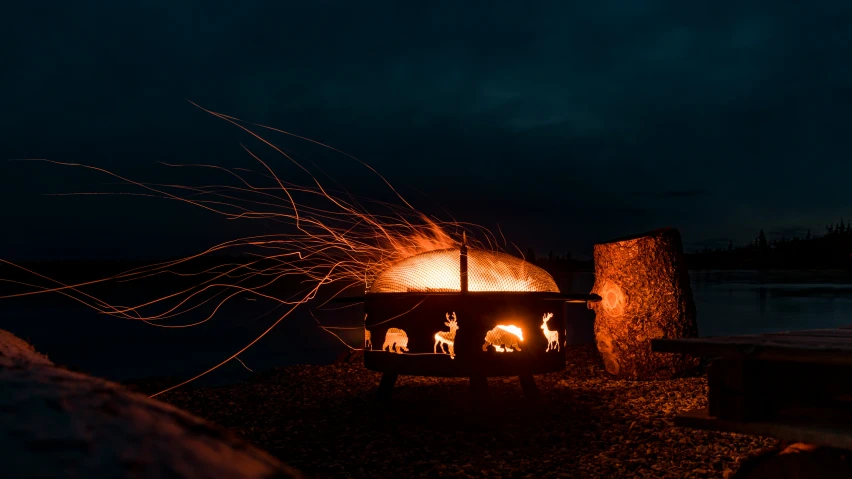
[[529, 387], [386, 387], [479, 388]]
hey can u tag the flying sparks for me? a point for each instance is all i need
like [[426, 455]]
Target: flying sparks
[[329, 239]]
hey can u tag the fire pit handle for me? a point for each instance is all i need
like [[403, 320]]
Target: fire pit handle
[[568, 298], [576, 298]]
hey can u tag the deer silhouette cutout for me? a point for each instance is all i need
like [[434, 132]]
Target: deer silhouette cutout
[[396, 341], [368, 338], [444, 337], [503, 338], [552, 336]]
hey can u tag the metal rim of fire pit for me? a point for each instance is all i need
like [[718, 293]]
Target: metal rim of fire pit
[[413, 328], [573, 298]]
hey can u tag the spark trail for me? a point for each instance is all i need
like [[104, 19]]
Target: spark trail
[[329, 239]]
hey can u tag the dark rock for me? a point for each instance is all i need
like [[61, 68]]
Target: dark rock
[[797, 460], [59, 423]]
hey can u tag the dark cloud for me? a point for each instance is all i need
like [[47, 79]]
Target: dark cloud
[[675, 194], [711, 243], [543, 116]]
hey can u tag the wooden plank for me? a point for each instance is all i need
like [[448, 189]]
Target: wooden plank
[[818, 433], [799, 349], [732, 392], [830, 333], [742, 389], [799, 340], [693, 347], [737, 342], [766, 352]]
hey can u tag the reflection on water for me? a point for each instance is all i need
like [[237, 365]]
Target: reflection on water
[[74, 336], [727, 302], [742, 302]]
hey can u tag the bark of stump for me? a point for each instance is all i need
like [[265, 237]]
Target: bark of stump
[[644, 285], [58, 423]]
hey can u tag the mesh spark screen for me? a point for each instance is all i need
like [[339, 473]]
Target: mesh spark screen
[[438, 271]]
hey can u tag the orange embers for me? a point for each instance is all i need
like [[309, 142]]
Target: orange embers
[[504, 338], [438, 271], [396, 341]]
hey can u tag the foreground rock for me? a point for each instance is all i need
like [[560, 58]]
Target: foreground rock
[[322, 420], [57, 423], [796, 461], [645, 294]]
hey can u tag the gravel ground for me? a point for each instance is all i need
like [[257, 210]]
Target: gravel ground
[[322, 420]]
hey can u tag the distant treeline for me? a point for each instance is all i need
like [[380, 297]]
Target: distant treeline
[[828, 251], [561, 267], [558, 262], [832, 250]]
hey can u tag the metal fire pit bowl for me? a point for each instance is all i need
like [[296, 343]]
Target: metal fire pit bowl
[[422, 316], [443, 314]]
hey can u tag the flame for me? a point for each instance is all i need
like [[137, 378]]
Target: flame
[[427, 272], [512, 329], [500, 272], [326, 238], [504, 338], [438, 271]]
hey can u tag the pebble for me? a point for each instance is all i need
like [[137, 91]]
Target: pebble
[[323, 421]]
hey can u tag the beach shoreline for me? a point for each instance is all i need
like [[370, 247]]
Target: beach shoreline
[[323, 421]]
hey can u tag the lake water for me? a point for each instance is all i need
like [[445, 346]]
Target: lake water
[[729, 302]]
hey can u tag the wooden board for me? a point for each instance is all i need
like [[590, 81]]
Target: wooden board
[[827, 333], [791, 385], [740, 388], [829, 434], [827, 346]]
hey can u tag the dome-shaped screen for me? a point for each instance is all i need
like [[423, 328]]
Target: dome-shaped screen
[[438, 271]]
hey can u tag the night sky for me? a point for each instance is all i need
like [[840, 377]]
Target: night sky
[[566, 122]]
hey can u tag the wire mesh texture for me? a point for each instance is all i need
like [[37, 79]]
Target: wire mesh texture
[[438, 271]]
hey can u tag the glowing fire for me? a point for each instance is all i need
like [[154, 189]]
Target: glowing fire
[[512, 329], [396, 341], [436, 271], [504, 338], [323, 238]]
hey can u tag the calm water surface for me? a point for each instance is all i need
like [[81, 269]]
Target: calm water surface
[[730, 302]]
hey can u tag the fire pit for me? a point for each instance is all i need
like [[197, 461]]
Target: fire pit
[[463, 312]]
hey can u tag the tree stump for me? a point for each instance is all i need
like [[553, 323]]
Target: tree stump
[[58, 423], [644, 287]]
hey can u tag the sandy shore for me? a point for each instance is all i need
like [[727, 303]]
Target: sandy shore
[[322, 420]]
